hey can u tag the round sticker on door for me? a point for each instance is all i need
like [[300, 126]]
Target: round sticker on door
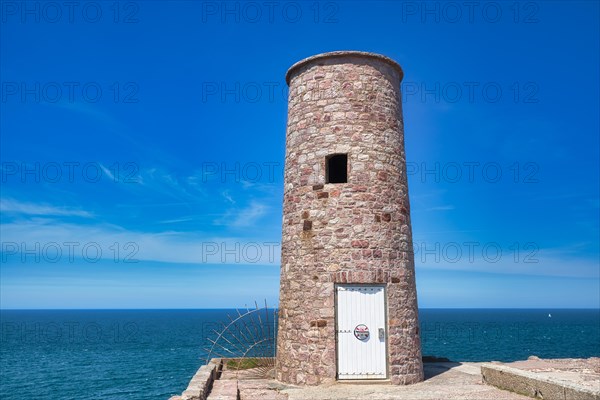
[[361, 332]]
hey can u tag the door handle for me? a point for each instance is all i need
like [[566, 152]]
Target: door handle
[[381, 333]]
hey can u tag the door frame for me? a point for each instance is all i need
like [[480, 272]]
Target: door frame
[[386, 327]]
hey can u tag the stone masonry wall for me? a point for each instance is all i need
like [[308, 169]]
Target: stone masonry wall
[[354, 232]]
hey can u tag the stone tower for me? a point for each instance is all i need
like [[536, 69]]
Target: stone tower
[[348, 302]]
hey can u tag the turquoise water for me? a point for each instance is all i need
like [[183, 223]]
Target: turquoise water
[[152, 354]]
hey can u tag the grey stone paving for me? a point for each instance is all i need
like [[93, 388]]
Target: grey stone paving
[[443, 380], [448, 381]]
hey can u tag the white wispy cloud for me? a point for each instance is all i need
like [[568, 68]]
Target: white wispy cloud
[[243, 217], [165, 246], [39, 225], [177, 220], [108, 172], [491, 257], [12, 206], [162, 182], [228, 197], [250, 215]]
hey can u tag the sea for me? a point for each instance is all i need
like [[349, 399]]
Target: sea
[[152, 354]]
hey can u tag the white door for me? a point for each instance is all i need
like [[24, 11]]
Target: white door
[[361, 332]]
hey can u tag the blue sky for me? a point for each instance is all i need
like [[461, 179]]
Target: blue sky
[[142, 147]]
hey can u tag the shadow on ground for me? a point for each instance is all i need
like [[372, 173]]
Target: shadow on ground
[[434, 368]]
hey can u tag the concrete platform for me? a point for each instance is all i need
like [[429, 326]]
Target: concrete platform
[[566, 379], [548, 379], [444, 380]]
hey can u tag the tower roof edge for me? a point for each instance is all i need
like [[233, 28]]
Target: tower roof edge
[[341, 54]]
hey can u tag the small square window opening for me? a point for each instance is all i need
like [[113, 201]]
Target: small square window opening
[[336, 170]]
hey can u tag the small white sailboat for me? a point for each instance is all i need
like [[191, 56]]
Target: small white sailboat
[[549, 315]]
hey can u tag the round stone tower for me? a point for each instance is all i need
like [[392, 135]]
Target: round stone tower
[[348, 302]]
